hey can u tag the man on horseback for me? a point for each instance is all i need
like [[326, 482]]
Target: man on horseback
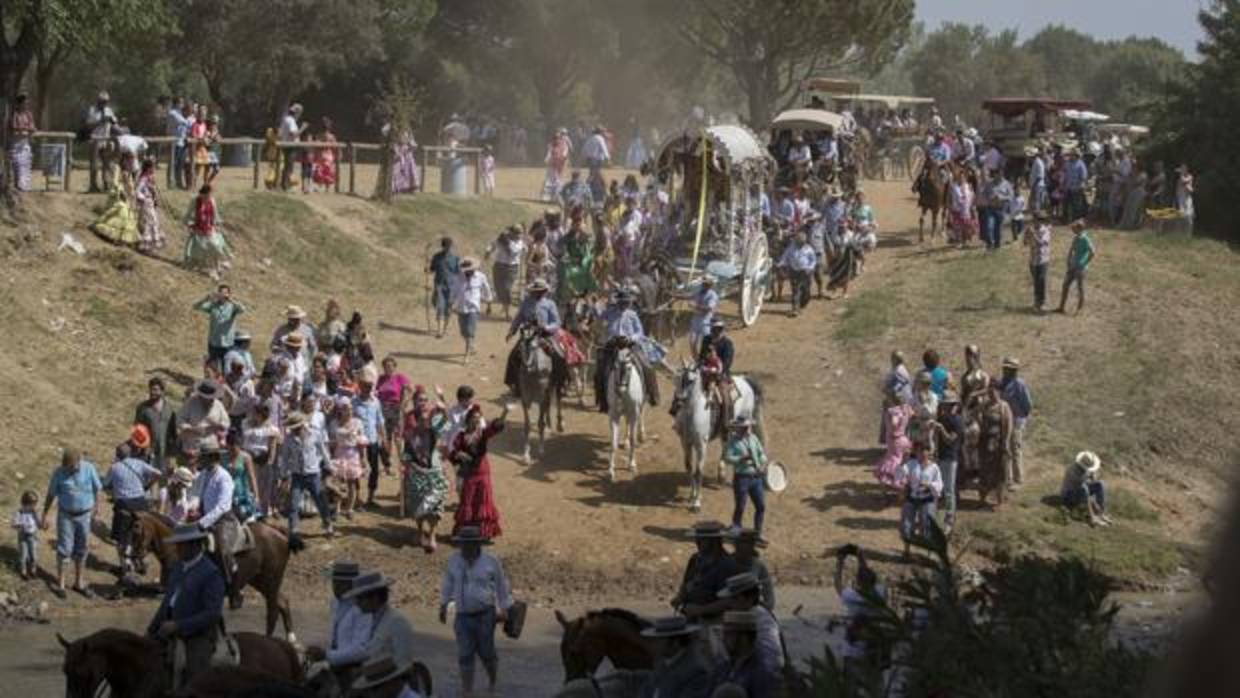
[[192, 611], [624, 330], [705, 303], [216, 505], [938, 154], [678, 670], [539, 313]]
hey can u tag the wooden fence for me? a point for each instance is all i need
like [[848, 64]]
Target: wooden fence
[[346, 153]]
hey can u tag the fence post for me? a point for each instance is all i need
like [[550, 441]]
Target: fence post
[[255, 153], [68, 161], [336, 152], [422, 179], [352, 168], [478, 173]]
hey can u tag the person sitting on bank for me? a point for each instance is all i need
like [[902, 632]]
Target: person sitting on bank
[[1082, 486], [192, 611]]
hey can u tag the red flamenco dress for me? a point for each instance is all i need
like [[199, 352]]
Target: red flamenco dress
[[477, 505]]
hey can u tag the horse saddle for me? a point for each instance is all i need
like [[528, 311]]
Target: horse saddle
[[242, 542], [227, 653]]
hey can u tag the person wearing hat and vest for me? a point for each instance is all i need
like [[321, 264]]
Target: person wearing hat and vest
[[391, 633], [706, 573], [1082, 485], [539, 313], [705, 304], [679, 669], [1016, 394], [746, 665], [215, 505], [800, 260], [470, 289], [744, 590], [203, 422], [745, 545], [159, 417], [383, 677], [349, 626], [474, 582], [222, 312], [192, 610], [303, 458], [624, 329], [747, 458], [288, 367]]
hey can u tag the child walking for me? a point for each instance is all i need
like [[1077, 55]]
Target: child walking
[[348, 440], [488, 171], [26, 523]]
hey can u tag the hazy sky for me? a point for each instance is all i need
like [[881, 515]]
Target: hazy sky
[[1173, 21]]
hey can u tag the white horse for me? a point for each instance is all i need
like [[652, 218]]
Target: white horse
[[696, 422], [534, 382], [626, 397]]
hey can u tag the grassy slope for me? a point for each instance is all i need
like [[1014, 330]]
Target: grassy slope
[[1143, 378], [123, 314]]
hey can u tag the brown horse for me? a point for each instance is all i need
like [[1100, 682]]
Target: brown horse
[[612, 633], [261, 567], [931, 196], [124, 660]]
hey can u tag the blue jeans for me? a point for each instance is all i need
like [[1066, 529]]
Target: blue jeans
[[299, 486], [751, 487], [27, 544], [72, 534], [915, 519], [475, 637], [990, 219], [179, 153], [1018, 229], [1091, 490]]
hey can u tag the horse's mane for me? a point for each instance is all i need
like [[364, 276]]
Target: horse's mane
[[621, 614]]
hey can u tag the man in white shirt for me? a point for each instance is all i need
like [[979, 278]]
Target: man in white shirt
[[290, 131], [800, 260], [597, 155], [216, 505], [506, 253], [475, 583], [349, 628], [470, 289]]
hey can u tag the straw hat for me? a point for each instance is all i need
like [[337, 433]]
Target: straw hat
[[294, 312], [207, 390], [468, 264], [294, 340], [673, 626], [186, 533], [1011, 362], [366, 583], [379, 671], [708, 280], [718, 323], [368, 375], [241, 336], [294, 420], [1089, 462], [183, 476], [537, 285]]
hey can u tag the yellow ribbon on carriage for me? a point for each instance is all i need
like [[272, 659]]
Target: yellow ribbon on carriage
[[701, 217]]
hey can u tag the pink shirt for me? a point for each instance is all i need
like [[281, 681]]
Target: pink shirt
[[390, 388]]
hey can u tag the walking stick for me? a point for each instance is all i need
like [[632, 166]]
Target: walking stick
[[427, 287]]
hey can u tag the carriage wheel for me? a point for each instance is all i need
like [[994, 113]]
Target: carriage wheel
[[757, 278], [916, 156]]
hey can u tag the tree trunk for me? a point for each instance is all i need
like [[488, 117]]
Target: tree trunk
[[44, 74]]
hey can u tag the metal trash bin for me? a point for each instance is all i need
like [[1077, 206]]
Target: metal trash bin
[[453, 176], [238, 155]]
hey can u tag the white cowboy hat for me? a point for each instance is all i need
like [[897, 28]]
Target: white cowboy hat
[[1089, 461], [539, 284], [776, 477], [368, 375], [294, 339], [294, 312], [183, 476]]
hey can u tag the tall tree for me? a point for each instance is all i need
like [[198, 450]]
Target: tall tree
[[770, 46], [961, 65], [1196, 124], [1132, 75], [1069, 55]]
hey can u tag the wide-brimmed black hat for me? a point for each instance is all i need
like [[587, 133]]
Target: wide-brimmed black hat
[[672, 626]]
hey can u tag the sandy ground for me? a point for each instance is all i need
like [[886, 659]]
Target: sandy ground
[[573, 539]]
